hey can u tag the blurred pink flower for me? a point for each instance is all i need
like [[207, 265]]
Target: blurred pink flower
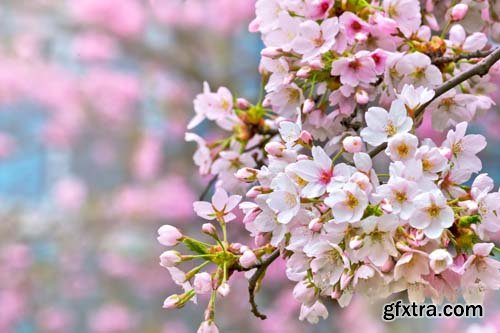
[[70, 193], [94, 46], [147, 158], [113, 318], [123, 17]]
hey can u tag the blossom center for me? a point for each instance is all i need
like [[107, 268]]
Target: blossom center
[[325, 177], [426, 165], [355, 25], [351, 201], [355, 64], [290, 199], [403, 150], [390, 129], [400, 196], [434, 210]]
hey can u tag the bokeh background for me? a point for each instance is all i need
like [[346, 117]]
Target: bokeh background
[[94, 99]]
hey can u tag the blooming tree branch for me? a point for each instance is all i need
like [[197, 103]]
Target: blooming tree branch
[[481, 69], [339, 77]]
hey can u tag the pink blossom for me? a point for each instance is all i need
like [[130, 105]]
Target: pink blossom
[[220, 208], [356, 69]]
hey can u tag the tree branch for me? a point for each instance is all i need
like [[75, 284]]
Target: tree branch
[[481, 69], [208, 187], [256, 278], [464, 56]]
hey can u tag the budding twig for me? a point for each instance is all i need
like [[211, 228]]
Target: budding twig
[[481, 69], [464, 56], [255, 279]]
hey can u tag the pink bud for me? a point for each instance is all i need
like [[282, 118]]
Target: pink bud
[[171, 301], [345, 279], [270, 52], [352, 144], [315, 225], [362, 96], [209, 229], [248, 259], [202, 283], [242, 103], [235, 247], [336, 294], [247, 175], [170, 258], [274, 148], [306, 137], [388, 266], [316, 64], [303, 293], [459, 11], [308, 106], [254, 192], [251, 215], [224, 289], [356, 243], [208, 327], [169, 235], [304, 72]]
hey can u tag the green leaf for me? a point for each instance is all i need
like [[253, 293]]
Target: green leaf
[[195, 246]]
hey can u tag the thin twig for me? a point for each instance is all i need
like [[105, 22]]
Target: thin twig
[[255, 279], [481, 69], [464, 56], [207, 188]]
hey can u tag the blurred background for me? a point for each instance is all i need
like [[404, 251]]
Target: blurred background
[[95, 96]]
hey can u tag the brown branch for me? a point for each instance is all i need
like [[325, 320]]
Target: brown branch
[[464, 56], [208, 187], [481, 69], [255, 280]]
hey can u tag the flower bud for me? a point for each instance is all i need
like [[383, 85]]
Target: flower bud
[[345, 279], [304, 72], [306, 137], [170, 258], [274, 148], [303, 293], [208, 327], [209, 229], [315, 225], [362, 96], [251, 215], [202, 283], [388, 266], [242, 103], [356, 243], [169, 235], [308, 106], [270, 52], [248, 259], [352, 144], [316, 64], [440, 260], [247, 175], [171, 302], [459, 11], [224, 289]]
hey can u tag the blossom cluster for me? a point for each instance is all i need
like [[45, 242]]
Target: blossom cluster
[[341, 82]]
